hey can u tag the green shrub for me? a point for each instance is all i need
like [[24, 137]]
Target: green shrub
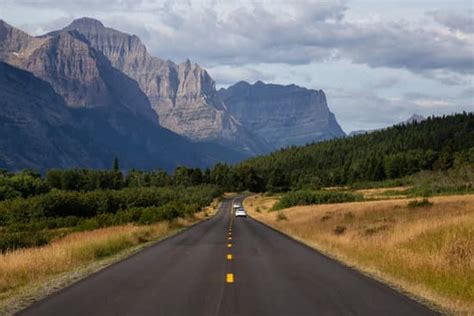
[[305, 197], [180, 201], [15, 240]]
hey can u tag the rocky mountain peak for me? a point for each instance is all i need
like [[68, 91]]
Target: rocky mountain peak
[[183, 95], [86, 23], [195, 80], [282, 115]]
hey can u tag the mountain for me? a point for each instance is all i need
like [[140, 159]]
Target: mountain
[[415, 118], [150, 112], [37, 127], [184, 96], [282, 115], [106, 106]]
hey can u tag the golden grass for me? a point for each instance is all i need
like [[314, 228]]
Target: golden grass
[[380, 193], [428, 251], [209, 210], [24, 273], [32, 265]]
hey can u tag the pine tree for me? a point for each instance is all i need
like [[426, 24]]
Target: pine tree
[[115, 166]]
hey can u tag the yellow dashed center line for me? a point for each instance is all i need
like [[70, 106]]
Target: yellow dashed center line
[[229, 256], [229, 245], [230, 278]]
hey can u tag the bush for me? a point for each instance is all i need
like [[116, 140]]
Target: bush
[[304, 197], [27, 222], [419, 203], [179, 201], [339, 230], [15, 240], [281, 216]]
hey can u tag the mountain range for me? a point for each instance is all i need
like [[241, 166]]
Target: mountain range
[[79, 96], [415, 118]]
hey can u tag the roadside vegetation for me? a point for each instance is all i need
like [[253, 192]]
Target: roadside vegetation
[[423, 245], [306, 197], [36, 220], [31, 273], [367, 199]]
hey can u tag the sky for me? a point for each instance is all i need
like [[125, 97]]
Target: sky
[[378, 61]]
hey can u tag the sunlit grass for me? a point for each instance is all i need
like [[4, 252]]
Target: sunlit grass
[[27, 266], [427, 250]]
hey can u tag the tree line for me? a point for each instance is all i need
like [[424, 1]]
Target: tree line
[[438, 143]]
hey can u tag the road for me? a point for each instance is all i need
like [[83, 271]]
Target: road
[[192, 274]]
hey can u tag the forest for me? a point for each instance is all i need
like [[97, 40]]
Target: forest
[[33, 205]]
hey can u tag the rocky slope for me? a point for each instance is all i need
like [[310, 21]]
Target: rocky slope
[[107, 107], [37, 129], [122, 101], [282, 115], [184, 96]]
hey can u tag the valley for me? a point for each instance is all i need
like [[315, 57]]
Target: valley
[[227, 158]]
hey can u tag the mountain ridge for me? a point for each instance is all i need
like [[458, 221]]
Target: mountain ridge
[[283, 115], [183, 95], [131, 101], [117, 115]]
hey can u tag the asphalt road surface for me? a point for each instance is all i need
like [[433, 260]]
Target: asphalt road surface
[[200, 271]]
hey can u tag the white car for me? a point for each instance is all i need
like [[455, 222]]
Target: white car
[[240, 212], [237, 205]]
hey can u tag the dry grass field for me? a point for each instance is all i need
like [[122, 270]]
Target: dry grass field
[[25, 273], [425, 249]]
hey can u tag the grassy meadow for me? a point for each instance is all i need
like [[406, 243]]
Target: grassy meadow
[[421, 245], [28, 273]]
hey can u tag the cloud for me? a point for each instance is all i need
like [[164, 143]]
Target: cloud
[[386, 83], [365, 109], [229, 75], [218, 32], [456, 21]]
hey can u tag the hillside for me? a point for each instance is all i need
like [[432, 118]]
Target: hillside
[[438, 143], [40, 127]]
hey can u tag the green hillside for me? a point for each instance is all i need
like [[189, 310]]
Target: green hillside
[[438, 143]]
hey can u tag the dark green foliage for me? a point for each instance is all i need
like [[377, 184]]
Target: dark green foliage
[[15, 240], [89, 204], [26, 183], [304, 197], [84, 180], [115, 165], [26, 222], [438, 143]]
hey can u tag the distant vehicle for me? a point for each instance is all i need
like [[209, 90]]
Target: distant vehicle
[[237, 205], [240, 212]]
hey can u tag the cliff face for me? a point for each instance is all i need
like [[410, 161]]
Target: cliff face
[[282, 115], [37, 130], [105, 95], [15, 45], [103, 107], [184, 96]]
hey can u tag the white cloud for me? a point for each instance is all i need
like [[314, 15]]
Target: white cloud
[[462, 21], [366, 62]]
